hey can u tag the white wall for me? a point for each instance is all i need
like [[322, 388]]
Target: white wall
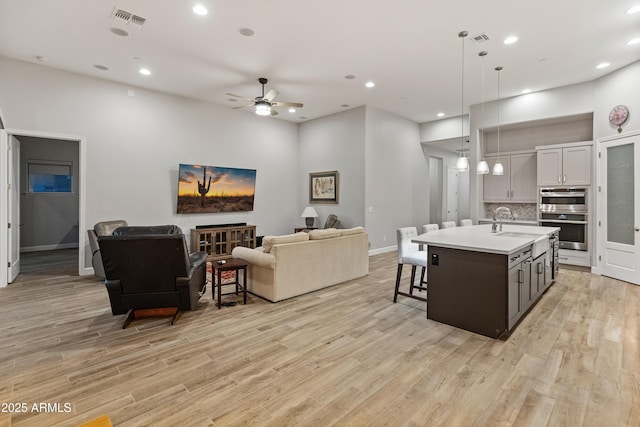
[[448, 128], [135, 144], [619, 87], [48, 220], [334, 142], [397, 177]]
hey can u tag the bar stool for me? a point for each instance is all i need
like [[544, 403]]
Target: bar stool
[[430, 227], [410, 253], [448, 224]]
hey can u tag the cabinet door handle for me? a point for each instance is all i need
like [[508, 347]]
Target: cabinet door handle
[[559, 179], [507, 194], [564, 178], [520, 276], [540, 268]]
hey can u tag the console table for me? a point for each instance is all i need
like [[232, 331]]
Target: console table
[[218, 242]]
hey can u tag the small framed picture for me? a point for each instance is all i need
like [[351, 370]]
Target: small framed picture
[[323, 187]]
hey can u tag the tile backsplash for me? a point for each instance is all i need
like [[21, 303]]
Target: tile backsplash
[[522, 211]]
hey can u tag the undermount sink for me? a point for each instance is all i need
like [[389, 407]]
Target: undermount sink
[[540, 242]]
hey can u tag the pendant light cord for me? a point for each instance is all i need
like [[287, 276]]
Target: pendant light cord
[[498, 69], [462, 35]]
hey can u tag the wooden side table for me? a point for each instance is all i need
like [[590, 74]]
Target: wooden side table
[[305, 229], [231, 264]]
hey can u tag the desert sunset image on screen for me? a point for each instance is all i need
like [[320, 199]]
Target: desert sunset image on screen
[[214, 189]]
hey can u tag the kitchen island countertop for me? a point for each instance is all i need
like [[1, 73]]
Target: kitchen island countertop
[[479, 238]]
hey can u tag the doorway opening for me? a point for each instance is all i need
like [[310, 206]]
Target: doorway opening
[[43, 213]]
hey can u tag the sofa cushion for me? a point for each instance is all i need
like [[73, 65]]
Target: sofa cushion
[[352, 231], [269, 241], [328, 233]]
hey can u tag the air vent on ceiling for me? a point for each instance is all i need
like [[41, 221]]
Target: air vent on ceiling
[[124, 17], [480, 38]]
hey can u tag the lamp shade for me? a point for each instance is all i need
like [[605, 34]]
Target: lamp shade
[[483, 167], [498, 169], [309, 212], [462, 164]]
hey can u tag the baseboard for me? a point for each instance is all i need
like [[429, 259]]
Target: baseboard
[[48, 247], [383, 250]]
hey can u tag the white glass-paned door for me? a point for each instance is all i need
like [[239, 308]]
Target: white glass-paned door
[[619, 245]]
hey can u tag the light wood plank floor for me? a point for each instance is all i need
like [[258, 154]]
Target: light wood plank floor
[[341, 356]]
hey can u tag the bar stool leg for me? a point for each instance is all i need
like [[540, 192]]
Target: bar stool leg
[[395, 294]]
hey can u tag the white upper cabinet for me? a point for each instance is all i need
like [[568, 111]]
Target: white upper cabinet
[[518, 184], [564, 166]]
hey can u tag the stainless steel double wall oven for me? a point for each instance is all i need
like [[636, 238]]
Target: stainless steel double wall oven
[[568, 209]]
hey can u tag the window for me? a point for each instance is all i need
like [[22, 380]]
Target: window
[[49, 176]]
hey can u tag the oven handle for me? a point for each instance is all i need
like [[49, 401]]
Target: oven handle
[[582, 211], [562, 221]]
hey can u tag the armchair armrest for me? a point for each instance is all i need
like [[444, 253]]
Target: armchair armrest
[[254, 257]]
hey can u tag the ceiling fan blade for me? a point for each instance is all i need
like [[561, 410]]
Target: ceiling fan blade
[[242, 106], [274, 112], [240, 97], [270, 95], [287, 104]]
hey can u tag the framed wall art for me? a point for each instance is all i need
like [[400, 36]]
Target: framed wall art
[[323, 187]]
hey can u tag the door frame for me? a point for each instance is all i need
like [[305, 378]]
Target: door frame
[[4, 136], [600, 199]]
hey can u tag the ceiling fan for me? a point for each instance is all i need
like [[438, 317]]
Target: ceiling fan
[[264, 104]]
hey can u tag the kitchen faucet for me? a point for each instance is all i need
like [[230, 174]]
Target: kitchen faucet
[[498, 214]]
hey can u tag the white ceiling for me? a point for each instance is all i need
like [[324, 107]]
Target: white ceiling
[[410, 48]]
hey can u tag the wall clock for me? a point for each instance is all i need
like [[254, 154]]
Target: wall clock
[[618, 116]]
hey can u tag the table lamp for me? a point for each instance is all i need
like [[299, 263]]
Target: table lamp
[[309, 214]]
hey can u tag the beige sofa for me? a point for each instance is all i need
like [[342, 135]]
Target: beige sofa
[[294, 264]]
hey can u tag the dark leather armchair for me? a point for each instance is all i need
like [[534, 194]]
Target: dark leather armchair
[[149, 272], [104, 228]]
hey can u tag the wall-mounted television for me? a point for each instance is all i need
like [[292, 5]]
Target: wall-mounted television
[[215, 189]]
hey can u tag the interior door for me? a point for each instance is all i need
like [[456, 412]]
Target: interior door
[[452, 194], [620, 209], [13, 208]]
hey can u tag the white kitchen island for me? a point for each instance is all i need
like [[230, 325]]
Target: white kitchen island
[[486, 282]]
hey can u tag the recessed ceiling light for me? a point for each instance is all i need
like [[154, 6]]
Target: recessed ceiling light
[[100, 67], [370, 84], [440, 114], [145, 71], [633, 41], [248, 32], [303, 117], [200, 10], [42, 58], [292, 110], [119, 32], [232, 100], [349, 77], [602, 65], [527, 90], [634, 9], [510, 40], [345, 105]]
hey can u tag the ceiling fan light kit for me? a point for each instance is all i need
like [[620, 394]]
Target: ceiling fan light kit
[[263, 105]]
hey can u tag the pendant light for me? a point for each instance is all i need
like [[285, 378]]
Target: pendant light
[[462, 164], [483, 167], [498, 169]]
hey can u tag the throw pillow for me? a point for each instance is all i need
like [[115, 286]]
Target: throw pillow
[[269, 241], [352, 231]]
